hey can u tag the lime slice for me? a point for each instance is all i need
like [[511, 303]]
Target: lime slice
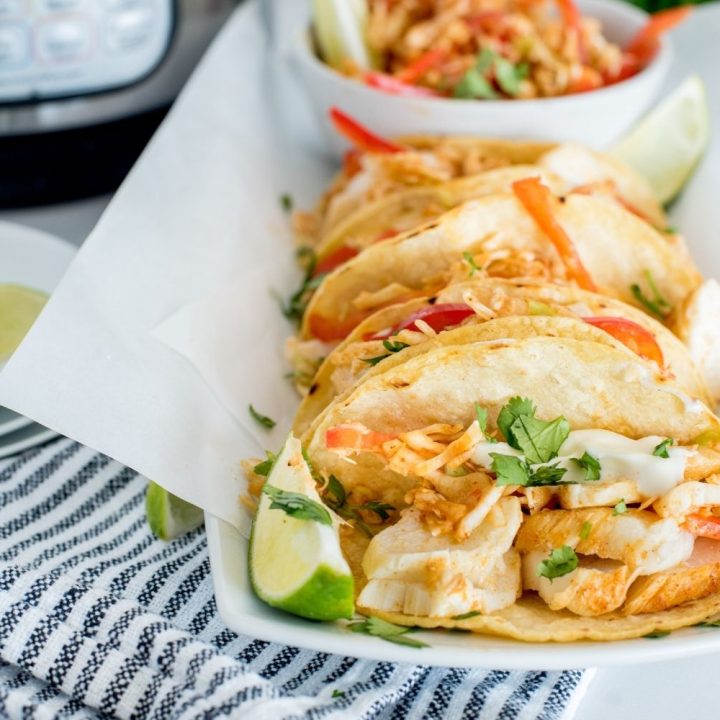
[[19, 308], [296, 563], [340, 31], [169, 516], [670, 141]]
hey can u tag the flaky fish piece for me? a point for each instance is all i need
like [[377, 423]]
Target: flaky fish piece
[[637, 538]]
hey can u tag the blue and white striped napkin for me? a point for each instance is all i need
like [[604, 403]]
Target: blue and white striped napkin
[[98, 619]]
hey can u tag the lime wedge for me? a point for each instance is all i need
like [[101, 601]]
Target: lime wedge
[[19, 308], [169, 516], [296, 563], [670, 141], [340, 31]]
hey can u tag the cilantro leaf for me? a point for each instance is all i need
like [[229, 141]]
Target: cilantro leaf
[[263, 420], [376, 627], [335, 488], [620, 507], [547, 475], [590, 464], [538, 440], [338, 694], [561, 561], [265, 467], [661, 450], [509, 470], [657, 304], [510, 76], [286, 202], [467, 615], [297, 505], [585, 530], [474, 85], [515, 407], [471, 262], [381, 509], [482, 417], [295, 307], [391, 347]]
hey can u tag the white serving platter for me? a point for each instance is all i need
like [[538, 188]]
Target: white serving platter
[[698, 215]]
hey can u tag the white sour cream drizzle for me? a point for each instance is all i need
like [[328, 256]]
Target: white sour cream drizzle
[[620, 458]]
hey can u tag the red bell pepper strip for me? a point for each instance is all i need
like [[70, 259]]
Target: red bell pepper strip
[[415, 70], [703, 526], [392, 85], [632, 335], [438, 317], [360, 136], [355, 437], [538, 201], [335, 259], [645, 44]]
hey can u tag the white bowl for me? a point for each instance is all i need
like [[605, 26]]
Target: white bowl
[[594, 118]]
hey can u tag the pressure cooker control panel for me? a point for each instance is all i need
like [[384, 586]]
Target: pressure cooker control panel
[[61, 48]]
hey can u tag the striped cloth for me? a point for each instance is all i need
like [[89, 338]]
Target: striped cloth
[[98, 619]]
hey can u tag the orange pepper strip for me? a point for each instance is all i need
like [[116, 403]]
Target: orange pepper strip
[[354, 437], [629, 333], [360, 136], [538, 201], [415, 70]]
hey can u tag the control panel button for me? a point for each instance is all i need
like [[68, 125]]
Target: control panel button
[[128, 28], [66, 39], [14, 45]]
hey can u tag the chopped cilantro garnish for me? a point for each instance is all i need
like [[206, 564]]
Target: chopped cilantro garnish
[[335, 488], [585, 530], [590, 464], [295, 307], [657, 634], [264, 468], [709, 623], [286, 202], [482, 417], [657, 304], [338, 694], [661, 450], [510, 76], [386, 630], [263, 420], [509, 470], [391, 347], [512, 470], [475, 83], [620, 507], [297, 505], [561, 561], [471, 262], [467, 615], [381, 509], [538, 440], [547, 475]]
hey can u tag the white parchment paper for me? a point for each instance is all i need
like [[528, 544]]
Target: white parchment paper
[[185, 257], [165, 328]]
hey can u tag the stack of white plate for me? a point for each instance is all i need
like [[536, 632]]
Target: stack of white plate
[[36, 260]]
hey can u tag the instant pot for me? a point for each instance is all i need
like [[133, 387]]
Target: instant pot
[[84, 84]]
